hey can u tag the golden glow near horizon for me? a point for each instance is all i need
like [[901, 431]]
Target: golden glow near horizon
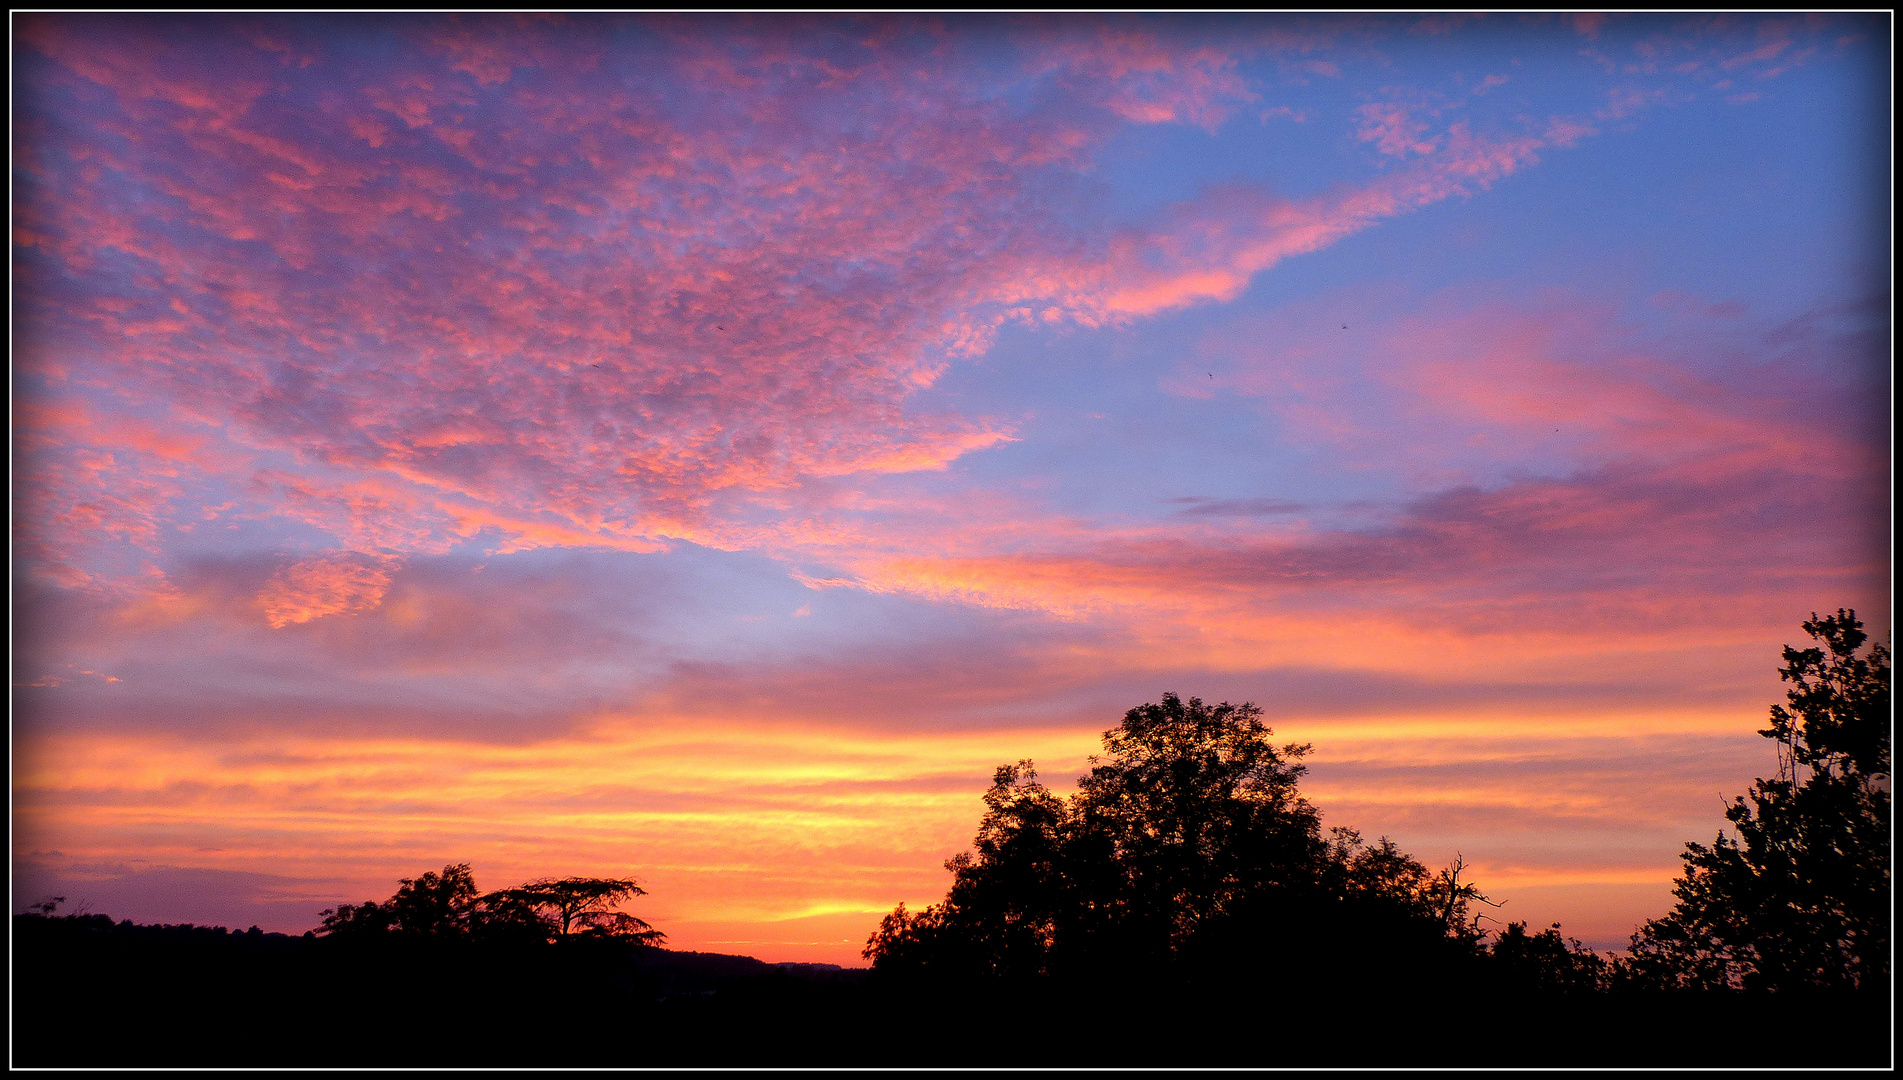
[[732, 825]]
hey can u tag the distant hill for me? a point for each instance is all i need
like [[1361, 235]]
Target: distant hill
[[92, 991], [679, 971]]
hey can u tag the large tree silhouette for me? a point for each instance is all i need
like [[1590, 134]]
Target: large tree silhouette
[[1800, 898], [1186, 854]]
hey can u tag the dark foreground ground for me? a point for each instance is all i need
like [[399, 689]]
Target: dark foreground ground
[[87, 992]]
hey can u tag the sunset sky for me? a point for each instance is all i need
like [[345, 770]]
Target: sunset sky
[[703, 448]]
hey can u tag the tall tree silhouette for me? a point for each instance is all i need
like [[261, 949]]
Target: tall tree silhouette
[[1186, 848], [1195, 806], [1800, 899]]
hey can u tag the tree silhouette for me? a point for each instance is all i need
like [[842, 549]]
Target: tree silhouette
[[1186, 850], [1195, 806], [505, 917], [356, 920], [435, 904], [578, 906], [431, 904], [447, 904], [1801, 898]]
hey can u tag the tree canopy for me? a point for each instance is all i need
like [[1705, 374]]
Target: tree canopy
[[448, 904], [1187, 849], [577, 905], [1799, 899]]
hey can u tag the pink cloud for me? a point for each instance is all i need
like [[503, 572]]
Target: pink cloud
[[1770, 50], [98, 493], [1564, 131], [1624, 101], [1393, 128], [343, 286], [1589, 23], [489, 51], [1554, 382], [329, 585], [1148, 79], [1525, 578], [1642, 496], [1210, 249], [689, 374], [378, 324]]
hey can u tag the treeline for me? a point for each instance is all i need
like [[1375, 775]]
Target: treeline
[[448, 905], [1188, 858], [1187, 877], [1184, 906], [92, 992]]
